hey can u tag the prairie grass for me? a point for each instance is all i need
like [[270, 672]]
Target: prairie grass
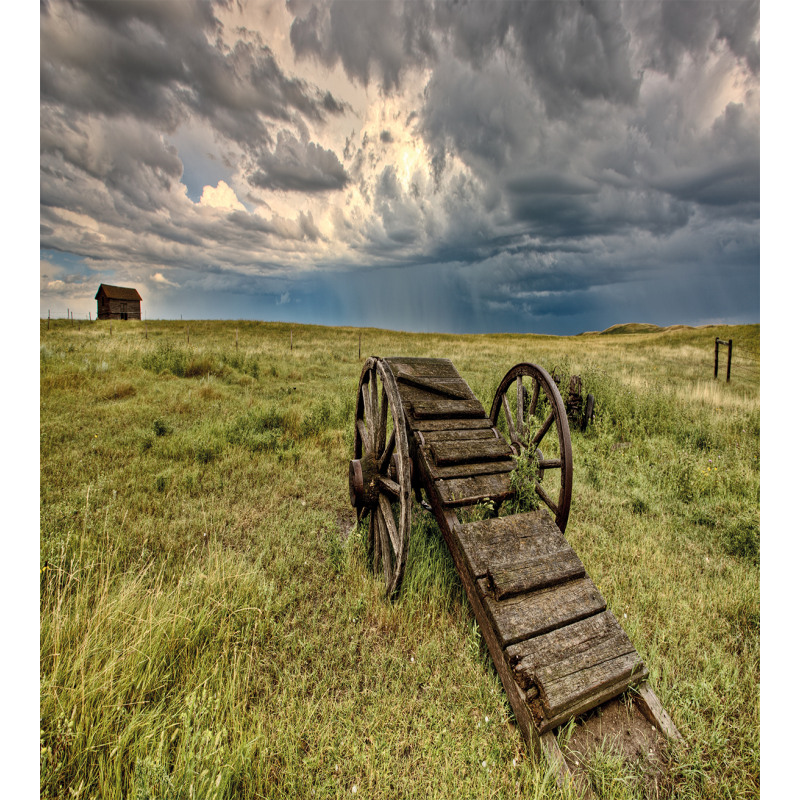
[[209, 624]]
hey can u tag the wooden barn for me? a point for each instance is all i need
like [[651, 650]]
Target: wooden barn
[[117, 302]]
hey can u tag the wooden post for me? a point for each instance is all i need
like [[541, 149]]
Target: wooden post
[[48, 319], [730, 351], [145, 330], [716, 357]]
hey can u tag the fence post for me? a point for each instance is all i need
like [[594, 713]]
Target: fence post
[[730, 351], [716, 357]]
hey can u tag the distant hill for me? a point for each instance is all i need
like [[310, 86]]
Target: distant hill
[[632, 327]]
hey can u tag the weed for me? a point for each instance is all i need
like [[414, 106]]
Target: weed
[[524, 478], [161, 428], [166, 358]]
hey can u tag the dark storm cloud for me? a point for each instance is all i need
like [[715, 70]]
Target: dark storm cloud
[[672, 30], [364, 36], [297, 165], [165, 62], [115, 78], [497, 160]]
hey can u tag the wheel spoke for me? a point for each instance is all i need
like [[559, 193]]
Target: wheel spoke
[[388, 485], [386, 547], [388, 521], [534, 399], [512, 431], [364, 434], [551, 463], [543, 494], [387, 453], [380, 443], [520, 404], [373, 401], [376, 544], [543, 430], [368, 415]]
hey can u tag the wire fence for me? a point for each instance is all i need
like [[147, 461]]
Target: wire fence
[[741, 361]]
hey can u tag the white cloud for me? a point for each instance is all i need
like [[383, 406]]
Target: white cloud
[[157, 277], [221, 196]]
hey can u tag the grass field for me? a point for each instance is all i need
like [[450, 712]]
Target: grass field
[[209, 626]]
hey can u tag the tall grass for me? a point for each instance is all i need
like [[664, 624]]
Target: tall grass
[[209, 624]]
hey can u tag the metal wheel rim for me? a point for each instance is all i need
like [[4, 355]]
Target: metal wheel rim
[[559, 506]]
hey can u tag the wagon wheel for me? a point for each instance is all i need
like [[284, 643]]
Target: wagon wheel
[[531, 403], [380, 472]]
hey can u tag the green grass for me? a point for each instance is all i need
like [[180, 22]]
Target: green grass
[[209, 626]]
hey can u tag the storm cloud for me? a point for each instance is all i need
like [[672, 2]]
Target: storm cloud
[[552, 166]]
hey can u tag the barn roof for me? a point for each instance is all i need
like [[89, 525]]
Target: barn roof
[[117, 292]]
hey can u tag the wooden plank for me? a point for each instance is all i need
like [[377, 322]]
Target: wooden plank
[[410, 393], [435, 368], [541, 723], [527, 615], [528, 656], [537, 573], [439, 409], [463, 424], [448, 387], [468, 491], [457, 436], [615, 645], [646, 699], [470, 470], [560, 695], [458, 452], [504, 542]]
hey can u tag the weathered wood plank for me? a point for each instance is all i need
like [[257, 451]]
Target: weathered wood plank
[[527, 615], [447, 387], [507, 541], [528, 656], [429, 437], [538, 573], [439, 409], [646, 699], [424, 367], [561, 694], [615, 645], [470, 470], [542, 723], [468, 491], [411, 394], [458, 452], [463, 424]]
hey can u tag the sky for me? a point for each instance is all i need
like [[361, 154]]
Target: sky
[[546, 167]]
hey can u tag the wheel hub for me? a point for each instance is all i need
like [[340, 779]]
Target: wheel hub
[[363, 488]]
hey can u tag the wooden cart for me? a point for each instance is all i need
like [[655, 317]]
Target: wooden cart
[[557, 648]]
